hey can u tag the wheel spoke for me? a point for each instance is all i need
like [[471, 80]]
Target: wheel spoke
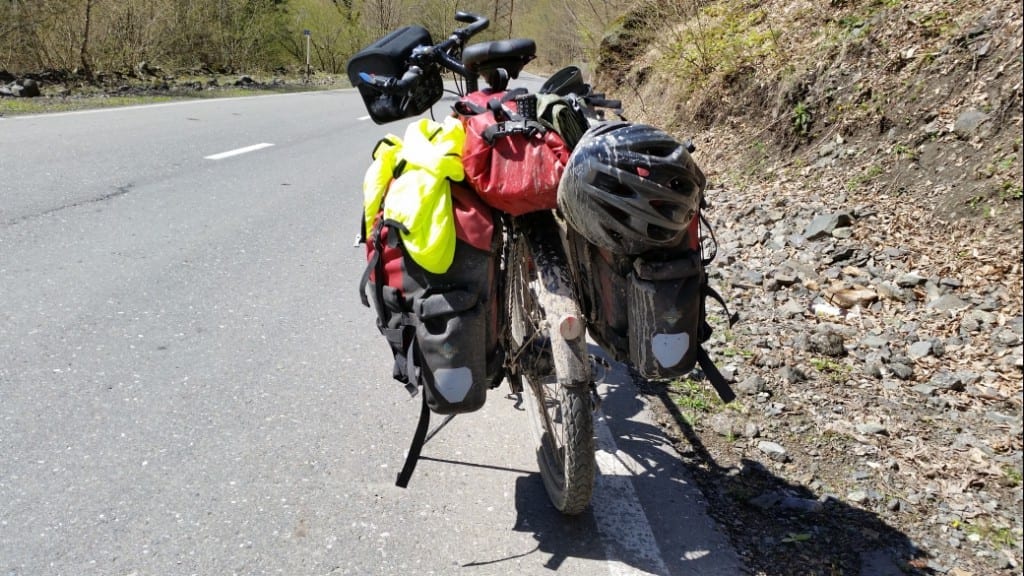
[[554, 433]]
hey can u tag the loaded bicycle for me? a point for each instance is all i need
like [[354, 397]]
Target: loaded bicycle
[[626, 263]]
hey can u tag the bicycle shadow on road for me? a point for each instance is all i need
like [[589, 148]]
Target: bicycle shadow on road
[[645, 516], [792, 529], [667, 484]]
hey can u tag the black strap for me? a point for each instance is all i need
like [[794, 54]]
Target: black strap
[[376, 265], [511, 127], [362, 231], [498, 110], [416, 447], [467, 108], [733, 317], [714, 376], [412, 369], [507, 122], [514, 93], [385, 140]]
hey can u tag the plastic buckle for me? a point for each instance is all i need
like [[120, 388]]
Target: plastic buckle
[[526, 106]]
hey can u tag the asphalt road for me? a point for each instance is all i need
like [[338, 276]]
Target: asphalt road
[[190, 385]]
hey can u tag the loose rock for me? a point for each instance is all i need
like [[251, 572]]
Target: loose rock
[[823, 225], [774, 451], [829, 343], [872, 428], [968, 122]]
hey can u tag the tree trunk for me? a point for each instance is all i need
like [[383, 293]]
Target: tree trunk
[[83, 54]]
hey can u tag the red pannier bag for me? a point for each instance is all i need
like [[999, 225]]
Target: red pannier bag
[[513, 161]]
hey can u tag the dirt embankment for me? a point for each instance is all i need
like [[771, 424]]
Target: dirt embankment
[[864, 160]]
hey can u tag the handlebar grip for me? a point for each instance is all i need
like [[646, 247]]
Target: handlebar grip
[[465, 17], [479, 26], [373, 80], [390, 84]]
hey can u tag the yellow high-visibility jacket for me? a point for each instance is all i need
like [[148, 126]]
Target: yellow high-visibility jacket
[[411, 176]]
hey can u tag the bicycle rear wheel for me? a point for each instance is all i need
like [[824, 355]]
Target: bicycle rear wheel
[[556, 374]]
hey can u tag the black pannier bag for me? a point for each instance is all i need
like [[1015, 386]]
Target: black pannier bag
[[632, 197], [666, 312], [442, 328], [389, 56], [650, 310]]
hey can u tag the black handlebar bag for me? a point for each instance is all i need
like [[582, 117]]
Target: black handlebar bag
[[389, 57]]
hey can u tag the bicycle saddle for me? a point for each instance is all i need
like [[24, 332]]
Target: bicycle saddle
[[511, 55]]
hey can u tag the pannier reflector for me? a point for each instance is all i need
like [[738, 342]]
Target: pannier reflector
[[453, 383], [669, 349]]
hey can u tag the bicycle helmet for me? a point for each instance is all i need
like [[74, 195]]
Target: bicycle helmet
[[630, 188]]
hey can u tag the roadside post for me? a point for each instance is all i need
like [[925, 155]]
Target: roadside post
[[307, 34]]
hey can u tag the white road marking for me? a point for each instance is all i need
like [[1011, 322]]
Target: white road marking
[[238, 151], [626, 534], [363, 118]]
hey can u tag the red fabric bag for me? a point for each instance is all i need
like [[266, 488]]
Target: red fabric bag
[[513, 162]]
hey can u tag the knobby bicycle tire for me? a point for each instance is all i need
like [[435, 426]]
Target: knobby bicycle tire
[[556, 374]]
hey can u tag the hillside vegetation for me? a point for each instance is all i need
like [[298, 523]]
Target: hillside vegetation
[[104, 37], [919, 99]]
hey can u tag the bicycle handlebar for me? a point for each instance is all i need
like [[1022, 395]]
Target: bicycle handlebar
[[391, 84], [476, 23], [441, 54]]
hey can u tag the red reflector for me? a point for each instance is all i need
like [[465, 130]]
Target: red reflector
[[570, 327]]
